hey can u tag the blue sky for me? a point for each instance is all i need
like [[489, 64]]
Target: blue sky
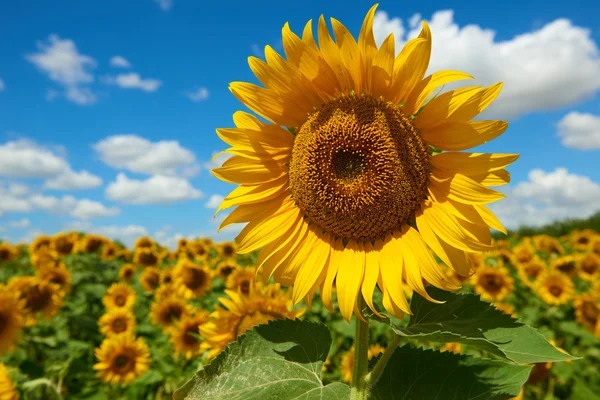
[[108, 109]]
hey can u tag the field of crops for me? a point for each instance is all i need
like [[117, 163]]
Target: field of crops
[[83, 317]]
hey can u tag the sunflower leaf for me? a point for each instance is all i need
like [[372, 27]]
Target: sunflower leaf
[[419, 374], [281, 360], [464, 318]]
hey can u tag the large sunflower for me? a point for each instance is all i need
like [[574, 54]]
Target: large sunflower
[[356, 190], [64, 243], [7, 252], [493, 283], [529, 271], [122, 359], [184, 336], [554, 287], [11, 318], [147, 257], [40, 296], [127, 272], [117, 321], [241, 280], [167, 311], [59, 275], [150, 279], [587, 310], [7, 389], [589, 267], [194, 279], [119, 295]]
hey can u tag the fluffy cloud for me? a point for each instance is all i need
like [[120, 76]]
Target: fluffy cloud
[[164, 5], [87, 209], [70, 180], [11, 200], [136, 154], [580, 131], [548, 196], [61, 60], [119, 62], [69, 205], [217, 160], [199, 94], [158, 189], [214, 201], [20, 224], [536, 67], [133, 80]]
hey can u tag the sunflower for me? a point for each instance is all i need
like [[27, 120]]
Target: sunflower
[[166, 291], [150, 279], [192, 278], [59, 275], [7, 252], [125, 255], [166, 312], [492, 283], [199, 250], [182, 243], [144, 242], [122, 359], [227, 250], [7, 389], [166, 276], [506, 309], [91, 243], [587, 310], [265, 303], [119, 295], [529, 271], [547, 244], [581, 239], [64, 243], [40, 296], [589, 267], [452, 347], [523, 253], [554, 287], [568, 265], [110, 251], [241, 280], [45, 257], [504, 256], [40, 242], [127, 272], [226, 267], [11, 318], [500, 244], [347, 362], [117, 321], [184, 336], [352, 191], [594, 245], [147, 257]]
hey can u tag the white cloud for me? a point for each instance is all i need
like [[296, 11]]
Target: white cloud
[[87, 209], [2, 85], [164, 5], [133, 80], [26, 159], [136, 154], [199, 94], [580, 131], [158, 189], [216, 162], [61, 60], [536, 67], [70, 180], [11, 199], [18, 189], [20, 224], [69, 205], [119, 62], [214, 201], [547, 197]]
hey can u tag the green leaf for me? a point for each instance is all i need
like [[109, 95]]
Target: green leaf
[[582, 392], [278, 361], [464, 318], [418, 374]]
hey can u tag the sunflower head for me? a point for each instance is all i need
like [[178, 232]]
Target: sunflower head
[[523, 253], [12, 318], [568, 265], [144, 242], [594, 245], [121, 359], [7, 252], [91, 243], [184, 336], [119, 295], [150, 279], [589, 266], [492, 283], [587, 310], [110, 251], [581, 239], [241, 280], [147, 257], [40, 296], [7, 388], [127, 272], [554, 287], [529, 271], [166, 276], [167, 311], [64, 243], [199, 250], [59, 276], [548, 244], [227, 250], [166, 291], [226, 267], [40, 242], [117, 321], [194, 279], [45, 257]]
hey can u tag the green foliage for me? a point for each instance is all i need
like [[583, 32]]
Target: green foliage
[[556, 229]]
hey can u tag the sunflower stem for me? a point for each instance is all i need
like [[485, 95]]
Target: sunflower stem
[[358, 388], [372, 376]]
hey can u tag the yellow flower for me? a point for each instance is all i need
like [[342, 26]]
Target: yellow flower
[[150, 279], [594, 245], [547, 244], [227, 249], [529, 271], [119, 295], [500, 244], [45, 257], [40, 242], [127, 272], [117, 321], [184, 335], [492, 283], [241, 280], [265, 303], [7, 389], [193, 279], [336, 198], [91, 243], [589, 266], [58, 275], [581, 239], [567, 265], [199, 250], [166, 276], [506, 309], [226, 267], [453, 347], [122, 359], [166, 291], [11, 318], [347, 363], [523, 253], [147, 257], [166, 312], [7, 252], [144, 242], [110, 251], [587, 310], [64, 243], [40, 296], [554, 287]]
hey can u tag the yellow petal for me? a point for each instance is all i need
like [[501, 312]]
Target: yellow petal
[[465, 190], [249, 172], [254, 193], [335, 257], [463, 135], [349, 278], [257, 141], [312, 268], [427, 86], [371, 273], [495, 178], [489, 218], [246, 213], [307, 36], [275, 259], [391, 264], [382, 68], [349, 53], [440, 109], [471, 163], [409, 54], [331, 54], [287, 273]]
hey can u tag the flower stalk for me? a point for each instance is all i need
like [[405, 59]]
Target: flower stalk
[[359, 389]]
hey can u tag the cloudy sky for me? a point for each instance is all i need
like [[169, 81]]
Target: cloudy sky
[[108, 109]]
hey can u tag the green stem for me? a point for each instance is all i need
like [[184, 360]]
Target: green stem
[[372, 377], [358, 388]]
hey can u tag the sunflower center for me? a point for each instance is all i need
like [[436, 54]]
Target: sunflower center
[[589, 266], [120, 300], [93, 245], [189, 337], [566, 268], [4, 320], [119, 325], [555, 290], [225, 271], [590, 312], [492, 283], [228, 250], [359, 168], [123, 363], [245, 287], [38, 298], [172, 313], [4, 254], [153, 280], [195, 278], [148, 258]]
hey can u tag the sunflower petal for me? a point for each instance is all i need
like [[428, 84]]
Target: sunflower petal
[[464, 190], [249, 172], [254, 194], [335, 258], [441, 109], [489, 218], [349, 278], [274, 260], [471, 163], [248, 212], [311, 269], [382, 68], [371, 273], [427, 86], [391, 264], [349, 54], [331, 54]]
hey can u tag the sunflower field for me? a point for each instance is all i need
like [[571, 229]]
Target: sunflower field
[[83, 317]]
